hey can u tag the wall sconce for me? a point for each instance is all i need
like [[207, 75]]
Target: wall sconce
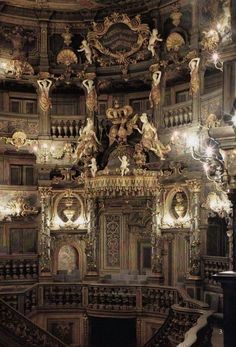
[[218, 203]]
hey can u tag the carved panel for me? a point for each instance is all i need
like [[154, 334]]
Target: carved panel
[[62, 329], [112, 239], [67, 258]]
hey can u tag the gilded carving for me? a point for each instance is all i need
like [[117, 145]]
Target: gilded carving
[[153, 40], [87, 144], [130, 33], [174, 42], [194, 73], [180, 204], [91, 98], [150, 140], [155, 94], [45, 102], [19, 207], [67, 57], [194, 185], [18, 140]]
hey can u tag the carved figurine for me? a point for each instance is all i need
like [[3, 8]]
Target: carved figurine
[[150, 139], [155, 94], [179, 204], [87, 141], [124, 165], [44, 100], [152, 41], [91, 99], [93, 167], [87, 51], [194, 73]]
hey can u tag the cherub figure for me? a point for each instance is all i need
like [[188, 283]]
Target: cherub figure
[[93, 167], [87, 141], [87, 51], [155, 94], [150, 140], [152, 41], [91, 99], [194, 73], [124, 165], [44, 99]]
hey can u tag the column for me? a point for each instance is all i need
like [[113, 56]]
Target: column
[[193, 278], [44, 234], [156, 242], [92, 241], [44, 63]]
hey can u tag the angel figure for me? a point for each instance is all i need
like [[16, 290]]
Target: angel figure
[[87, 51], [124, 165], [93, 167], [150, 140], [152, 41], [87, 141], [91, 99], [155, 94], [44, 100], [194, 73]]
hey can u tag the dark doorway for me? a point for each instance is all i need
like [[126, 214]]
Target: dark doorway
[[107, 332], [217, 237]]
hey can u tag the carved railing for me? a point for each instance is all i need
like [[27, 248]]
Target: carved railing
[[112, 298], [16, 269], [62, 127], [11, 122], [178, 115], [63, 295], [210, 266], [179, 321], [23, 330], [100, 297]]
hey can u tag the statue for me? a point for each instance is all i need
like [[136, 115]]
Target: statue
[[152, 41], [93, 167], [195, 80], [91, 99], [155, 94], [87, 51], [44, 100], [87, 141], [124, 165], [150, 139]]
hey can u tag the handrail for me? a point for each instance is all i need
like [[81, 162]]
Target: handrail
[[100, 297], [24, 330], [179, 326]]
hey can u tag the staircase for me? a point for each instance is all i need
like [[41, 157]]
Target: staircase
[[16, 330]]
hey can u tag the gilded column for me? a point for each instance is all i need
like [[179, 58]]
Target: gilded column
[[194, 187], [92, 240], [44, 235], [156, 242]]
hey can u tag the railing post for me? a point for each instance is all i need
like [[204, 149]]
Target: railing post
[[139, 304], [21, 303], [85, 296]]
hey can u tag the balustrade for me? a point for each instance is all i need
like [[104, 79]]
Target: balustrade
[[19, 269], [112, 298], [212, 265], [178, 115], [69, 295], [23, 330], [178, 322], [65, 127]]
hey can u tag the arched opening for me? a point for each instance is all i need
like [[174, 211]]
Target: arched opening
[[68, 261]]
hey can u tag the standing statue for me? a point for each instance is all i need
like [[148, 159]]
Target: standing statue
[[91, 99], [124, 165], [155, 94], [150, 140], [45, 102], [87, 51], [194, 73], [87, 141], [152, 41], [93, 167]]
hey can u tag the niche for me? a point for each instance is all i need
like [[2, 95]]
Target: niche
[[67, 259]]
